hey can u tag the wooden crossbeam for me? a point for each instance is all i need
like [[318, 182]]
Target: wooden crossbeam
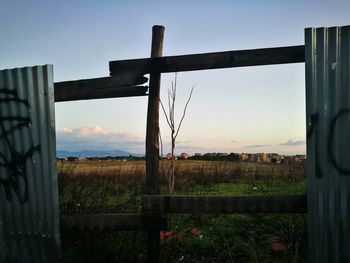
[[134, 222], [226, 59], [225, 204], [124, 85]]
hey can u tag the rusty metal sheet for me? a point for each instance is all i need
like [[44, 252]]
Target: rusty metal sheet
[[328, 140], [29, 219]]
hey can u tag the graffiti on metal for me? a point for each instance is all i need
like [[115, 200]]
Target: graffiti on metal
[[328, 121], [15, 162], [313, 131], [331, 138]]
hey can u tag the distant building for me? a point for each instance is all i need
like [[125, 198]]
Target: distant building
[[244, 156], [184, 156], [169, 156], [263, 158]]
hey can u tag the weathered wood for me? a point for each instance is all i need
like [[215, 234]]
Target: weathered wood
[[225, 204], [227, 59], [100, 88], [134, 222], [152, 140], [152, 133]]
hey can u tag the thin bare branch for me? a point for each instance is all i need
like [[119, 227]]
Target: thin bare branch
[[169, 108], [184, 113], [174, 86], [166, 115], [170, 118]]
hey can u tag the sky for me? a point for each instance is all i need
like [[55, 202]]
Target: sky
[[252, 109]]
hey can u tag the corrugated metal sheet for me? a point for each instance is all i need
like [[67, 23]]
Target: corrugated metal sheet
[[328, 147], [29, 219]]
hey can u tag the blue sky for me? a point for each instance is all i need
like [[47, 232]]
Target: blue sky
[[256, 109]]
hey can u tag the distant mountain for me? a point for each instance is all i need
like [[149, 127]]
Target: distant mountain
[[94, 153]]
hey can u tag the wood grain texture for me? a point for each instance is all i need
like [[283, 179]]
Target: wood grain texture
[[225, 204], [216, 60], [133, 222], [152, 141], [152, 133], [100, 88]]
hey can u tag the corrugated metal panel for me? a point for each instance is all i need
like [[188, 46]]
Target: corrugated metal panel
[[29, 220], [328, 147]]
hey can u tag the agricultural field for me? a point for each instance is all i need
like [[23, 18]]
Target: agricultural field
[[118, 186]]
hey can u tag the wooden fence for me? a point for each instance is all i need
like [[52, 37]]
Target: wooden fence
[[125, 80]]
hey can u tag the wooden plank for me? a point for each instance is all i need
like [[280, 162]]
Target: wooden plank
[[225, 204], [226, 59], [100, 88], [152, 140], [134, 222]]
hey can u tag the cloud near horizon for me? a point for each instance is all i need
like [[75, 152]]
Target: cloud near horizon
[[257, 145], [293, 143], [96, 138]]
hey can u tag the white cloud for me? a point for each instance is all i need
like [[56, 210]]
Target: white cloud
[[294, 143], [96, 138], [87, 131], [67, 130], [257, 145]]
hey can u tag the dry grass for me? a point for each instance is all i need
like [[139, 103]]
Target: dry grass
[[117, 187]]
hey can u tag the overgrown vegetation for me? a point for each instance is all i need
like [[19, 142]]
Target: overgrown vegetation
[[117, 187]]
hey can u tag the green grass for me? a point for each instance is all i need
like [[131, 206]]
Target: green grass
[[117, 187], [259, 187], [237, 238]]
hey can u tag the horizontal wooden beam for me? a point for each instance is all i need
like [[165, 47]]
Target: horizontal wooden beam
[[227, 59], [132, 222], [225, 204], [124, 85]]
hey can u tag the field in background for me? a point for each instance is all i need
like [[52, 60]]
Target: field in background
[[118, 186]]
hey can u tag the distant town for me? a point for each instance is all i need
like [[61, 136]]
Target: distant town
[[239, 157]]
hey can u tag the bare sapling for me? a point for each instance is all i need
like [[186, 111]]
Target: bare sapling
[[174, 131]]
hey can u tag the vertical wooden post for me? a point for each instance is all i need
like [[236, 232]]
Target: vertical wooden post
[[152, 139]]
